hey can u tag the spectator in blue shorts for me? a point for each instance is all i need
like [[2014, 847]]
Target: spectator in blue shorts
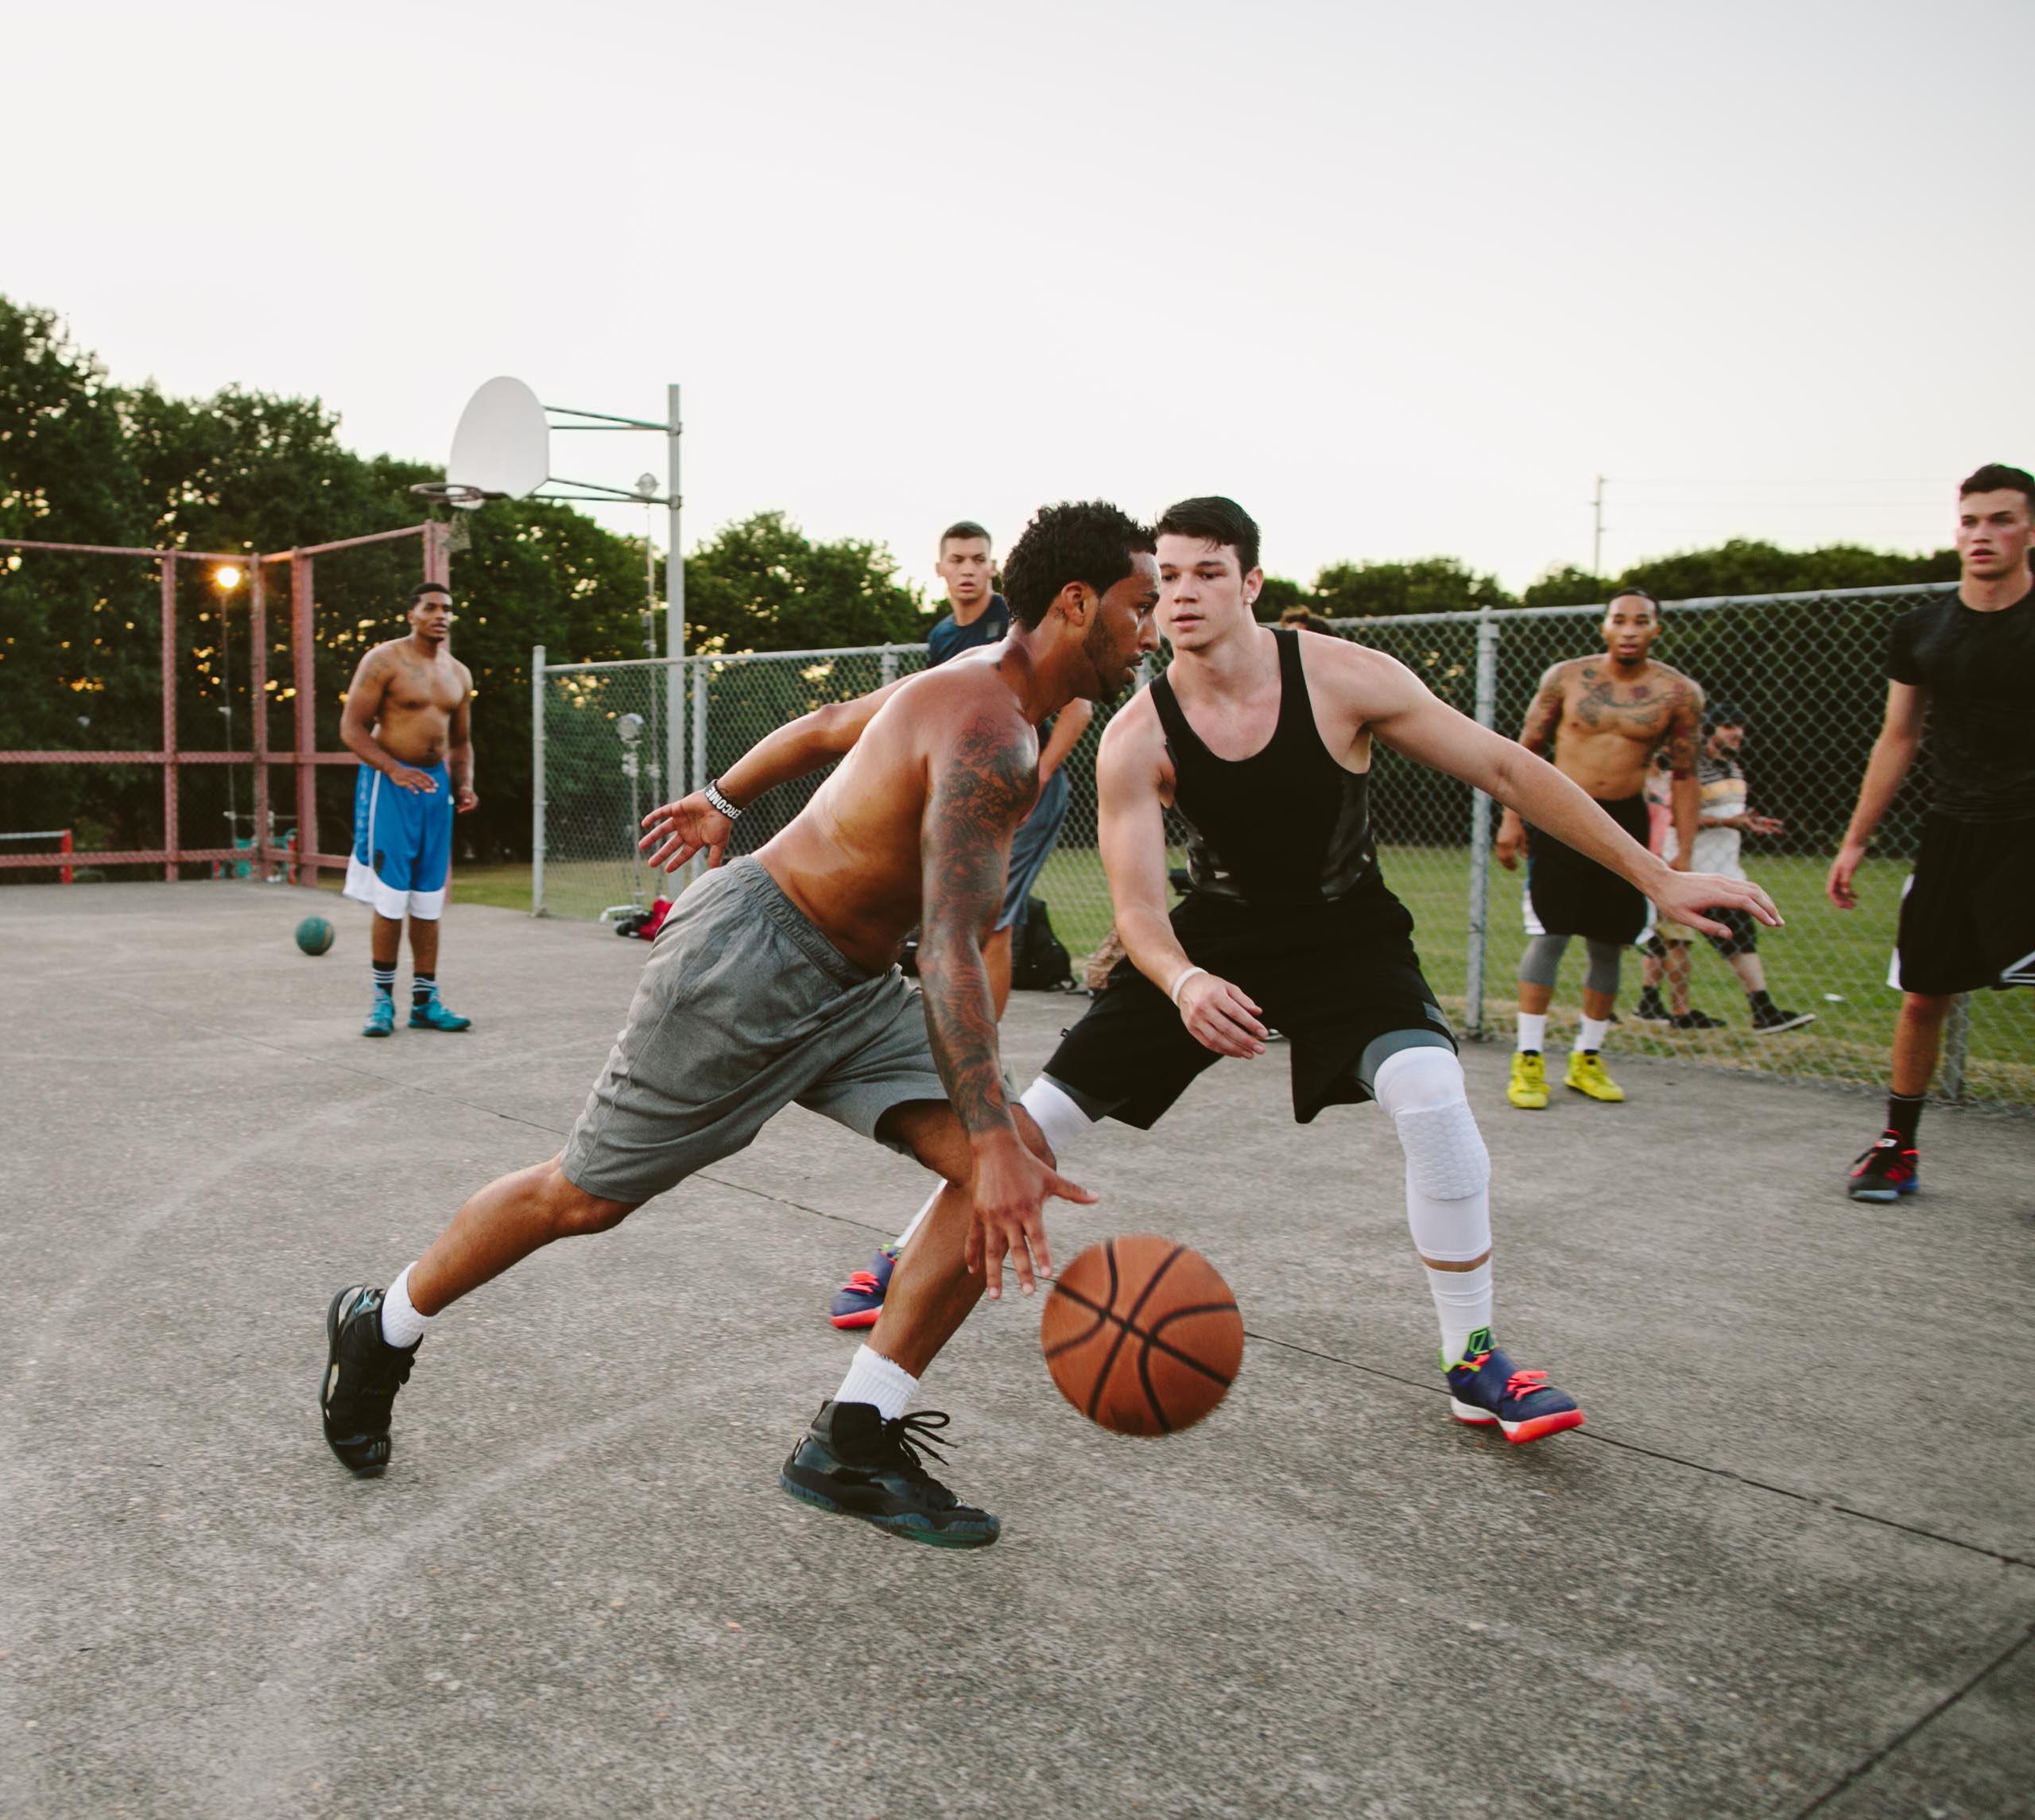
[[977, 615]]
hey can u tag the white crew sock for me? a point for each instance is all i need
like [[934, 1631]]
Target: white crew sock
[[1589, 1035], [872, 1378], [401, 1325], [1533, 1030], [1462, 1304], [1053, 1111]]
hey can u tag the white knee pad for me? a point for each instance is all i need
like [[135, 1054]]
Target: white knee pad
[[1059, 1119], [1422, 1089]]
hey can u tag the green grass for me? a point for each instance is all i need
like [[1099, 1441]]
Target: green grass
[[1822, 952]]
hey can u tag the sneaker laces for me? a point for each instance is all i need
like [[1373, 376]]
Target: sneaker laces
[[863, 1283], [909, 1440], [1523, 1384]]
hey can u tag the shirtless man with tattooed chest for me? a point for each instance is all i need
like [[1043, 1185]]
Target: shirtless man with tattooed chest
[[774, 980], [1604, 717]]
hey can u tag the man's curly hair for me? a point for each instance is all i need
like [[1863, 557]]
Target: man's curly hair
[[1091, 541]]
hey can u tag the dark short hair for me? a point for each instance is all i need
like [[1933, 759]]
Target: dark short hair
[[1722, 713], [1997, 477], [963, 528], [1090, 541], [1644, 594], [424, 588], [1214, 520]]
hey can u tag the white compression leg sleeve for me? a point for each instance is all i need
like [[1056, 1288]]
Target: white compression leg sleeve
[[1449, 1171], [1060, 1121]]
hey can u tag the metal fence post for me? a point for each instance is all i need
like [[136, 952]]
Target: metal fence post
[[1480, 835], [171, 838], [1956, 1047], [697, 867], [890, 664], [536, 780]]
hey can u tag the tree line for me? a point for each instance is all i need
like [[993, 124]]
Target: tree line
[[83, 459]]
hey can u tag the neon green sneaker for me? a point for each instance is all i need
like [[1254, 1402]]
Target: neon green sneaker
[[1586, 1075], [1529, 1088]]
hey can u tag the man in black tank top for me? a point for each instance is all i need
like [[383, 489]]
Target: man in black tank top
[[1261, 740]]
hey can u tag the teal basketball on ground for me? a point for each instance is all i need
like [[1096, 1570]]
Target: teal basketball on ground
[[314, 935]]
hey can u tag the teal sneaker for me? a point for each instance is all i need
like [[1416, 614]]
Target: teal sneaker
[[432, 1015], [382, 1019]]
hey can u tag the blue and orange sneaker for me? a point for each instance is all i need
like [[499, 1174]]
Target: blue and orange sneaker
[[1888, 1171], [1484, 1387], [859, 1300], [432, 1015]]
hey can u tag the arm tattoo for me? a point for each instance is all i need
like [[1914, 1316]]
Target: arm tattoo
[[1544, 714], [1681, 735], [979, 795]]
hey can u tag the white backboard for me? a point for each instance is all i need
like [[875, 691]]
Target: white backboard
[[503, 444]]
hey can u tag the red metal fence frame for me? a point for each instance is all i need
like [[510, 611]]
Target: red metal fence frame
[[304, 758]]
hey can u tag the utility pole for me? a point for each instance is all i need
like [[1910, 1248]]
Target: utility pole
[[1597, 536]]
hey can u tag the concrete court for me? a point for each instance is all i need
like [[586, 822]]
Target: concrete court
[[1787, 1569]]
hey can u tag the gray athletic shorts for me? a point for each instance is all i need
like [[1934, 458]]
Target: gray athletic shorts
[[744, 1009]]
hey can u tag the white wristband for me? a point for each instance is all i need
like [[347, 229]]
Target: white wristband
[[1182, 980]]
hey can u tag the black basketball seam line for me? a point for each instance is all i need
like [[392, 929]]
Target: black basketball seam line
[[1101, 1315], [1150, 1337], [1102, 1377], [1151, 1396], [1123, 1330], [1176, 1354]]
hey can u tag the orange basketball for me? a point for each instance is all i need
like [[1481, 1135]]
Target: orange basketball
[[1142, 1335]]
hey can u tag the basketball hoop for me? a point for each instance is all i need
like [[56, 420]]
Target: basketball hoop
[[455, 493]]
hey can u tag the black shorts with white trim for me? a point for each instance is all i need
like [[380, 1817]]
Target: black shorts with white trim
[[1967, 919], [1331, 977]]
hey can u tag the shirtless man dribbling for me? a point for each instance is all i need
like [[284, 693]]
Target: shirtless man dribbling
[[406, 716], [775, 980], [1604, 717]]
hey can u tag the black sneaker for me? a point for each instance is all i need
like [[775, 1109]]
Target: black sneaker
[[1696, 1020], [853, 1462], [1887, 1171], [363, 1374], [1770, 1019], [1650, 1009]]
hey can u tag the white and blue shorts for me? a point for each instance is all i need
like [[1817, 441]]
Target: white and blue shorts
[[402, 845]]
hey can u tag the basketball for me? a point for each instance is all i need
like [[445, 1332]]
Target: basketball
[[1142, 1335], [314, 935]]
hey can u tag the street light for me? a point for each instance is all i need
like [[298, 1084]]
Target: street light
[[226, 577]]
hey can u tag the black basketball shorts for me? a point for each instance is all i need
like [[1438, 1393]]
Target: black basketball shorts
[[1967, 917], [1569, 894], [1331, 978]]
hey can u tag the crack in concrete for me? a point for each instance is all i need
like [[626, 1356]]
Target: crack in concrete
[[1860, 1771]]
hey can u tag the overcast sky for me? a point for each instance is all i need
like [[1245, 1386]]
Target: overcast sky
[[1404, 279]]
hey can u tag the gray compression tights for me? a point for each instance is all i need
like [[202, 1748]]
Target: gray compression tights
[[1543, 957]]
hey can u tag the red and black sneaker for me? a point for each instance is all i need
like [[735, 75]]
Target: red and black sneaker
[[1486, 1388], [859, 1300], [1890, 1169]]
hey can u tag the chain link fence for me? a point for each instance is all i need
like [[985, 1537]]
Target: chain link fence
[[1805, 671]]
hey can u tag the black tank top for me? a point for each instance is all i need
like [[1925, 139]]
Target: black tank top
[[1287, 826]]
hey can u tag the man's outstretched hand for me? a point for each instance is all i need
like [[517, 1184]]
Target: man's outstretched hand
[[1006, 1216], [1687, 895], [680, 830]]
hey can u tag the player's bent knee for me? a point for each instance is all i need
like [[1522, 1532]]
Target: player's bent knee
[[572, 1212], [1423, 1091]]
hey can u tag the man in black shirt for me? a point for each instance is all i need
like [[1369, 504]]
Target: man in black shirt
[[1966, 664]]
